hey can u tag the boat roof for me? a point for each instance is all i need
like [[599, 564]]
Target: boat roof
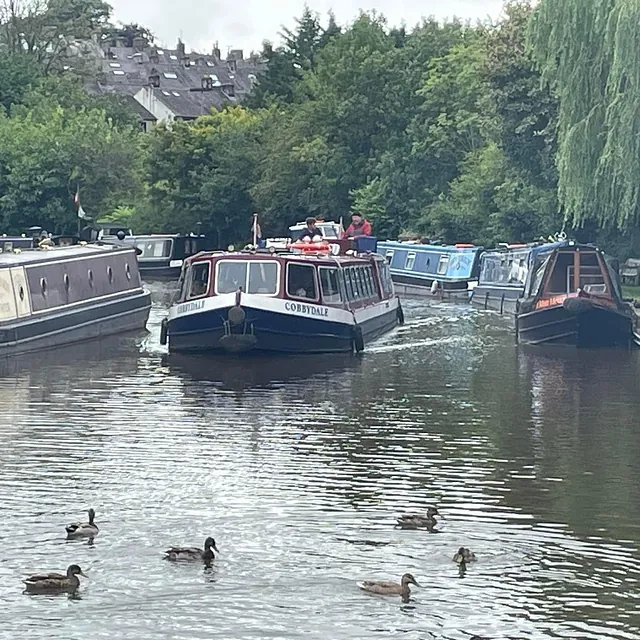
[[288, 255], [537, 249], [31, 256], [162, 236], [419, 246]]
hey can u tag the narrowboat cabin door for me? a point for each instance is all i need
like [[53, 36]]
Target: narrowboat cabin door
[[573, 297]]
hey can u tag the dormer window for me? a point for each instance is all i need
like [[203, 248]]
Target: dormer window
[[233, 65], [154, 78], [207, 83], [229, 89]]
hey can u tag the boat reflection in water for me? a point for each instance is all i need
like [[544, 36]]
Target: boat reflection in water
[[258, 371]]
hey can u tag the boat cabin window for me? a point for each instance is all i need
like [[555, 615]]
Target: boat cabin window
[[301, 281], [199, 279], [507, 268], [252, 276], [443, 265], [190, 247], [263, 278], [232, 275], [389, 255], [154, 248], [410, 261], [330, 285], [385, 279], [539, 269]]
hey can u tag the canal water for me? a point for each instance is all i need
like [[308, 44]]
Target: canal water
[[298, 467]]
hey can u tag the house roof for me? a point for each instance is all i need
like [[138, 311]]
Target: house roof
[[144, 114], [126, 70], [191, 104]]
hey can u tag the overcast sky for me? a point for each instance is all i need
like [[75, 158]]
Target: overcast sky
[[244, 24]]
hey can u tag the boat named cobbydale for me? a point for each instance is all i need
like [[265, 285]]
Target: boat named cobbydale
[[307, 302], [62, 294]]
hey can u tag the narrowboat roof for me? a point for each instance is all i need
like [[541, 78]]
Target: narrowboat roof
[[418, 246], [33, 256], [160, 236], [536, 249], [280, 255]]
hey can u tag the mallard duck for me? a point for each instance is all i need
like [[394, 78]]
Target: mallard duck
[[83, 529], [190, 554], [464, 555], [387, 588], [55, 582], [419, 522]]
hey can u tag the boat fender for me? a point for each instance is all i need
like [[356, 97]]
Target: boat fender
[[400, 313], [236, 315], [577, 305], [163, 331], [434, 287], [358, 340]]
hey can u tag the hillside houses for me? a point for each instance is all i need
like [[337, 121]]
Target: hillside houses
[[171, 84]]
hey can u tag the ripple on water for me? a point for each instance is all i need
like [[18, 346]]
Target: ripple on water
[[299, 468]]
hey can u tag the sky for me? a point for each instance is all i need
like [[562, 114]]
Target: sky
[[245, 24]]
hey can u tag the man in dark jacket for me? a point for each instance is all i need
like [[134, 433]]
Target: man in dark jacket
[[358, 227]]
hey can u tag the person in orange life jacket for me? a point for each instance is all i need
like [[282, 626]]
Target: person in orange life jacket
[[311, 233], [358, 227]]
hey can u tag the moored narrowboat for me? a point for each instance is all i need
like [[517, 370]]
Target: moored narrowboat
[[58, 295], [162, 255], [562, 293], [450, 271], [311, 302]]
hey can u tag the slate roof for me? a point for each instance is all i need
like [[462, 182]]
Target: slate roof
[[191, 104], [144, 114]]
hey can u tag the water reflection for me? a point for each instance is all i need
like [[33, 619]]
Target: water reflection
[[299, 468]]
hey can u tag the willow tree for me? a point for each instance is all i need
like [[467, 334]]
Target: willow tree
[[589, 53]]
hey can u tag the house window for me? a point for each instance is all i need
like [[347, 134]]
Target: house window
[[442, 265], [329, 285], [173, 56], [169, 75], [116, 72], [176, 94], [199, 284], [301, 281], [410, 261], [115, 65]]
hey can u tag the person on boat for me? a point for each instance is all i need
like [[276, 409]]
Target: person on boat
[[310, 233], [256, 232], [358, 227]]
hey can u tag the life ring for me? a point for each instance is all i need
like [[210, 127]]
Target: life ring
[[463, 245], [310, 247], [400, 314], [163, 331], [358, 339]]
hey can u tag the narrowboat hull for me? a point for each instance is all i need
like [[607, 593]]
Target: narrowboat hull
[[273, 325], [70, 326], [577, 323], [152, 270], [500, 299], [409, 286]]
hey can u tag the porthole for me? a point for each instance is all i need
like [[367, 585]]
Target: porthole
[[110, 274], [21, 293], [127, 270], [90, 275], [66, 282], [43, 286]]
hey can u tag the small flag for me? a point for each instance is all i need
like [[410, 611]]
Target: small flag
[[81, 211]]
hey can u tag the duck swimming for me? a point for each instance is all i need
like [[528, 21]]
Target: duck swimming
[[387, 588], [419, 522], [191, 554], [464, 555], [83, 529], [55, 582]]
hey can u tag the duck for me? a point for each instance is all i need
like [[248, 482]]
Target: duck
[[83, 529], [55, 582], [191, 554], [464, 555], [419, 522], [387, 588]]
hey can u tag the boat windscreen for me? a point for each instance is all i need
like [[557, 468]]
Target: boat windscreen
[[232, 275], [257, 277]]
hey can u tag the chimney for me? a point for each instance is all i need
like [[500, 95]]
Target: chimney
[[140, 43], [154, 58], [182, 51], [235, 54], [216, 52]]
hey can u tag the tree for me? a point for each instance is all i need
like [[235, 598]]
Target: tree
[[18, 74], [589, 54]]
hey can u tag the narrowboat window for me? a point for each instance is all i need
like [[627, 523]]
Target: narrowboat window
[[329, 285], [540, 269], [199, 282], [389, 255], [232, 275], [409, 262], [355, 283], [43, 286], [361, 281], [369, 280], [348, 284], [90, 276], [301, 281], [155, 248], [385, 279], [263, 278], [591, 276], [127, 270], [66, 281], [110, 274], [443, 264]]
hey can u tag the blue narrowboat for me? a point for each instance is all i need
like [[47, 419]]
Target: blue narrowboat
[[426, 269], [262, 301], [561, 293]]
